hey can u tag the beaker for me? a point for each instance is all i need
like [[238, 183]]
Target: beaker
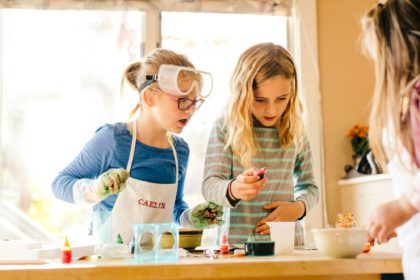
[[102, 226], [156, 242]]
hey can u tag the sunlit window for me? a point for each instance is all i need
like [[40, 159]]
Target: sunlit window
[[61, 72]]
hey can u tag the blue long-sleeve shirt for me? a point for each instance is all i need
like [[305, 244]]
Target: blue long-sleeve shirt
[[110, 148]]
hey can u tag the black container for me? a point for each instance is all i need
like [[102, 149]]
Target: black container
[[259, 248]]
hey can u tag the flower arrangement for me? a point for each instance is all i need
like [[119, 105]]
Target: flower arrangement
[[363, 158], [358, 136]]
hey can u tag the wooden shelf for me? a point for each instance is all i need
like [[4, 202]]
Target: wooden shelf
[[364, 179]]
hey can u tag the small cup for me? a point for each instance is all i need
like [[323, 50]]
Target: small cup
[[283, 234], [259, 248]]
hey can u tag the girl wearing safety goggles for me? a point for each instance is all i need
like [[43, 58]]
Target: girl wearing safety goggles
[[136, 171]]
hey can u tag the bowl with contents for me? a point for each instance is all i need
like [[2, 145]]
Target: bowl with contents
[[344, 241], [188, 239]]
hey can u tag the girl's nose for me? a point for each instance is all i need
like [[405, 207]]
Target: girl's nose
[[270, 108]]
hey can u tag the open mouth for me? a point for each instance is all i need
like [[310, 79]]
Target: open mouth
[[183, 122]]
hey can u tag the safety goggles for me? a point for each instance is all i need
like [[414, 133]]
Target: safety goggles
[[181, 81]]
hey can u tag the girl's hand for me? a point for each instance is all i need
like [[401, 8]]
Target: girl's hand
[[247, 185], [387, 217], [111, 182], [284, 212], [206, 215]]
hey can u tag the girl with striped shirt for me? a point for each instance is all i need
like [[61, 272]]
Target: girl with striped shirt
[[261, 126]]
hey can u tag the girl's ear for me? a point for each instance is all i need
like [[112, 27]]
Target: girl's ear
[[149, 97]]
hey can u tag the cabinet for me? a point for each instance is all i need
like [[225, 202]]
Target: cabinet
[[361, 195]]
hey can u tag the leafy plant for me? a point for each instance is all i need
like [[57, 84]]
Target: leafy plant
[[358, 136]]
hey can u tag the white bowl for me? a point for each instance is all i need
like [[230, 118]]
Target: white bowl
[[340, 242]]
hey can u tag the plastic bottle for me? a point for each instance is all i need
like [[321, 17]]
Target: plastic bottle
[[119, 239], [224, 244], [66, 252]]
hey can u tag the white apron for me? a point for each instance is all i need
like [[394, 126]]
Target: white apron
[[143, 202], [408, 233]]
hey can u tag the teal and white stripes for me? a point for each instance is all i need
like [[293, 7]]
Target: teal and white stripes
[[290, 177]]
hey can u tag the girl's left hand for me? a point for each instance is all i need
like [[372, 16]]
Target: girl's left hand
[[387, 217], [285, 211]]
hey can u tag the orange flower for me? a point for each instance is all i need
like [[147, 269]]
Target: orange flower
[[360, 131], [358, 136]]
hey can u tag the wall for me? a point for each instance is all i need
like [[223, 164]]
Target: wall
[[346, 83]]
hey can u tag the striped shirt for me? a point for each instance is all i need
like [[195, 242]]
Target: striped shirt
[[290, 178]]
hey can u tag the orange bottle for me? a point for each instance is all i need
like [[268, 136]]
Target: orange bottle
[[66, 252]]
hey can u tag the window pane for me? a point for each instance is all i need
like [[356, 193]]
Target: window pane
[[213, 43], [61, 78]]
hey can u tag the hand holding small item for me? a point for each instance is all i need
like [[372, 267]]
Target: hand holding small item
[[260, 172], [206, 215], [248, 184], [387, 217]]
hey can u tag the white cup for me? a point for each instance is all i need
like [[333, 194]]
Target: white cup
[[283, 234]]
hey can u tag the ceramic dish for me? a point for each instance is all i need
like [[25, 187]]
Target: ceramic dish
[[340, 242]]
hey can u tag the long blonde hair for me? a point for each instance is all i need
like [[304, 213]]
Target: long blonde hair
[[391, 35], [135, 73], [256, 65]]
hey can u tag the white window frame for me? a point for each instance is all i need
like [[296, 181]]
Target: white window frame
[[303, 43]]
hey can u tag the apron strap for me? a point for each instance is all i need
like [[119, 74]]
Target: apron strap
[[170, 140], [133, 147]]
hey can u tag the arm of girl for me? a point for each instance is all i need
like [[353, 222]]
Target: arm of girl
[[110, 182], [218, 168], [387, 217], [77, 183], [305, 189], [181, 210]]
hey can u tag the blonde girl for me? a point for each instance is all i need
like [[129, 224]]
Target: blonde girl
[[392, 38], [261, 127], [136, 170]]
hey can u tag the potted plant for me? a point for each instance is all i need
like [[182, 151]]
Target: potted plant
[[363, 159]]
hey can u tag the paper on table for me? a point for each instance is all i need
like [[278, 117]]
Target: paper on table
[[14, 251]]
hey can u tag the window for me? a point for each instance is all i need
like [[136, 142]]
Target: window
[[59, 80], [213, 43], [61, 75]]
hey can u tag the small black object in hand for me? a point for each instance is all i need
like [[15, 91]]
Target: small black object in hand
[[260, 172]]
